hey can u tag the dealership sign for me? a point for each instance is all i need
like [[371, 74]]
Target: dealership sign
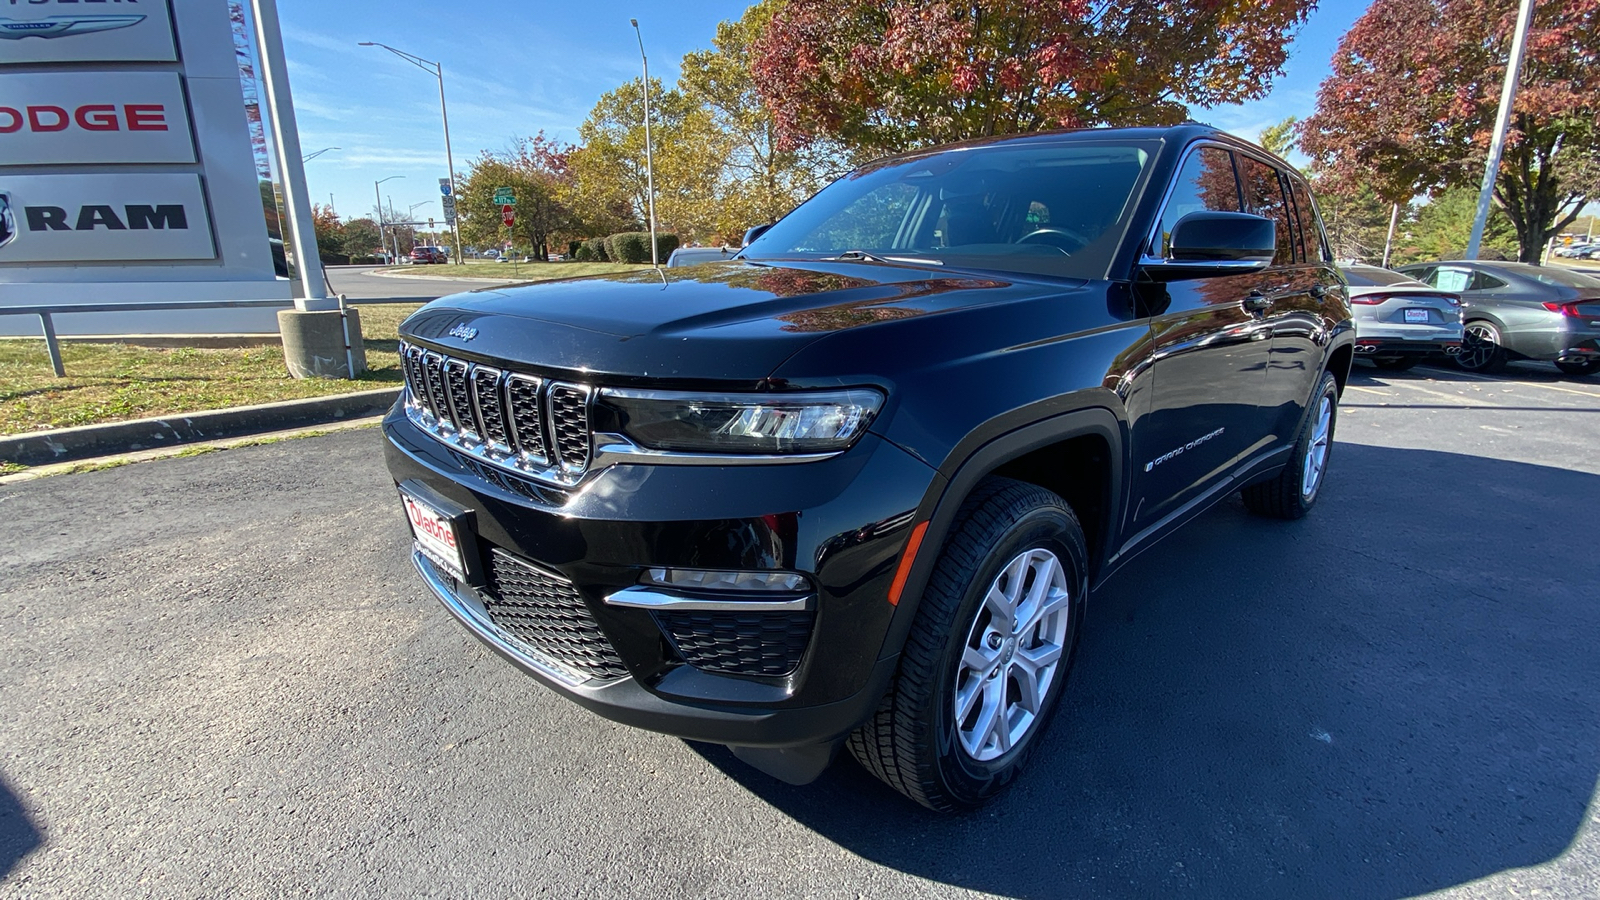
[[36, 31], [71, 218], [59, 118]]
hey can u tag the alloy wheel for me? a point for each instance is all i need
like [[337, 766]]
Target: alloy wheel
[[1479, 344], [1317, 452], [1013, 654]]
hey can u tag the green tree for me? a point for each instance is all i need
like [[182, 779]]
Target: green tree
[[1442, 227], [359, 237], [1279, 138], [537, 171], [609, 185], [760, 180]]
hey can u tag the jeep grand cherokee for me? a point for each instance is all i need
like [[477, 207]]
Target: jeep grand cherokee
[[854, 487]]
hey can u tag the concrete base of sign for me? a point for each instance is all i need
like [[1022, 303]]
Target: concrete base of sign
[[314, 343]]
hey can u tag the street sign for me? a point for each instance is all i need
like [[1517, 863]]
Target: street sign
[[444, 186], [508, 215], [449, 204], [504, 197]]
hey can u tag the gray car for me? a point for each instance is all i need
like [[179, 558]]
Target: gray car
[[1521, 311], [1401, 321]]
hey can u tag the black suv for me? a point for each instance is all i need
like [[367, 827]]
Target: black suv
[[854, 486]]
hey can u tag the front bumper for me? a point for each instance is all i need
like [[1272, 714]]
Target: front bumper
[[842, 522]]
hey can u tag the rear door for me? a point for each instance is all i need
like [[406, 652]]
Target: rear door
[[1210, 355]]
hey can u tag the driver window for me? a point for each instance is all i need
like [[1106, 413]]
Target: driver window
[[1206, 182]]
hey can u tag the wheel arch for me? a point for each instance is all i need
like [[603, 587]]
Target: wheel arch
[[1051, 453]]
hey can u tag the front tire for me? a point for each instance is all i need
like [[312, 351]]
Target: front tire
[[989, 651], [1292, 492]]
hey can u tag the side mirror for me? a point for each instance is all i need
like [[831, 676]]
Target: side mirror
[[751, 235], [1211, 243]]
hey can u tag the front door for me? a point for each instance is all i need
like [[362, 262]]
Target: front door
[[1211, 346]]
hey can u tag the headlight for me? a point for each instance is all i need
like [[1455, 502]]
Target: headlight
[[742, 423]]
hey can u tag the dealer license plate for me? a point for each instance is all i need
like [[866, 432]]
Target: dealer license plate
[[1416, 315], [436, 536]]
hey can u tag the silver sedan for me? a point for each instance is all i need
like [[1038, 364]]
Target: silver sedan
[[1400, 321]]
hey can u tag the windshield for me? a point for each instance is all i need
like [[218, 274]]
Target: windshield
[[1053, 209]]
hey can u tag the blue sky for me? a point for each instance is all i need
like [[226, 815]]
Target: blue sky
[[514, 68]]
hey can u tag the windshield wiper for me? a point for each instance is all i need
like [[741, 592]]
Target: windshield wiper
[[873, 257]]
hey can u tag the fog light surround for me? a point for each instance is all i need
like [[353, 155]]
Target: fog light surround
[[727, 580]]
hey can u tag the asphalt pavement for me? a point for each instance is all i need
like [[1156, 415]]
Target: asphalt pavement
[[220, 677], [359, 283]]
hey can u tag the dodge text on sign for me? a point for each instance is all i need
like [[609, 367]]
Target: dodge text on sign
[[66, 118]]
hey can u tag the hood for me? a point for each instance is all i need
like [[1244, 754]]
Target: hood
[[734, 321]]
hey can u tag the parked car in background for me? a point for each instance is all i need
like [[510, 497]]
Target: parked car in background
[[1401, 321], [429, 255], [1521, 311], [1578, 250], [689, 256]]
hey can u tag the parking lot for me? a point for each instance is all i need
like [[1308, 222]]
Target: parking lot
[[220, 677]]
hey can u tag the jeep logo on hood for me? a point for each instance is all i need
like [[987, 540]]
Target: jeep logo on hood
[[8, 222]]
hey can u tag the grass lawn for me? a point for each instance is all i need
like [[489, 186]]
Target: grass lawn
[[109, 382], [520, 271]]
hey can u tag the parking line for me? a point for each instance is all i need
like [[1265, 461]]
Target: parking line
[[1357, 387]]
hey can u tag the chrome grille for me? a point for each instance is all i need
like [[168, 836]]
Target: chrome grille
[[455, 383], [569, 425], [527, 425], [433, 374], [527, 421], [486, 399]]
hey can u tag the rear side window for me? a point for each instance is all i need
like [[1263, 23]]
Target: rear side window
[[1310, 224], [1206, 182], [1482, 281], [1263, 196]]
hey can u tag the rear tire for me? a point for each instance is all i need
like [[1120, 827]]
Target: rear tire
[[952, 732], [1395, 363], [1482, 349], [1579, 369], [1291, 493]]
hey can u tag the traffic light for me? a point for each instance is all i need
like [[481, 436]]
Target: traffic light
[[430, 223]]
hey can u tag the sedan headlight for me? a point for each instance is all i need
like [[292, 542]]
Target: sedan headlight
[[688, 422]]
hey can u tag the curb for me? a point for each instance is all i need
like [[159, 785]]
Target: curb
[[87, 441], [482, 280]]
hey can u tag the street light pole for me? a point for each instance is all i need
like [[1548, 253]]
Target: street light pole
[[1508, 98], [437, 71], [378, 198], [310, 156], [649, 154]]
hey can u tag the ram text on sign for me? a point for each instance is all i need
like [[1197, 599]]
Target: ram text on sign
[[65, 118], [79, 218], [35, 31]]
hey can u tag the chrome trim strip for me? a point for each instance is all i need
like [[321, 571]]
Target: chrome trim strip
[[553, 434], [646, 598], [469, 428], [519, 441], [611, 449], [499, 377], [488, 631]]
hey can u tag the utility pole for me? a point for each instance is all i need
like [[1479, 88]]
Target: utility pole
[[1388, 242], [1508, 98], [649, 155], [437, 71]]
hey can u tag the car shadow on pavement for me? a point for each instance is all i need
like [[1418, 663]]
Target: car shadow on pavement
[[1395, 695], [18, 836]]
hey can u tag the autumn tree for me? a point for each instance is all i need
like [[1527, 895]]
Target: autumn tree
[[1411, 104], [538, 172], [888, 76], [609, 179], [329, 231], [760, 180]]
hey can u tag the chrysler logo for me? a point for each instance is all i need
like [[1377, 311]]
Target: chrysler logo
[[464, 331], [62, 26], [8, 222]]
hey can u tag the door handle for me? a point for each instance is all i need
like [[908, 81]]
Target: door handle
[[1256, 301]]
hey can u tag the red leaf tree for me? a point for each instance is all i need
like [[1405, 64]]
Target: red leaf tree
[[887, 76], [1411, 104]]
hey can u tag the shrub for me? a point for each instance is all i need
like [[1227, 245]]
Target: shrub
[[595, 250], [634, 246]]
